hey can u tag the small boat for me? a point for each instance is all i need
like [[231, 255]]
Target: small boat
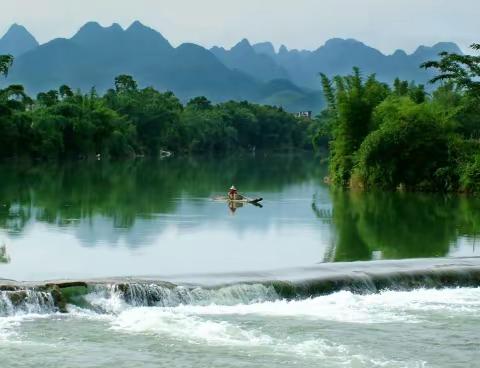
[[246, 200], [243, 199]]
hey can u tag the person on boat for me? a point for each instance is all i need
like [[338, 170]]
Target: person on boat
[[233, 193]]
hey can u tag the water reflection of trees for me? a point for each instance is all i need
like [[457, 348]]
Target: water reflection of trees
[[399, 225], [4, 257], [62, 194]]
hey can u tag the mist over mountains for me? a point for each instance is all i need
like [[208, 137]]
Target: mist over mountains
[[95, 55]]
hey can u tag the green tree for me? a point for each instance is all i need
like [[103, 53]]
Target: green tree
[[351, 102], [48, 99], [462, 70], [470, 177], [199, 103], [6, 61], [65, 92], [125, 84]]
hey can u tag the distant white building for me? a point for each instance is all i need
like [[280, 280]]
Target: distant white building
[[304, 114]]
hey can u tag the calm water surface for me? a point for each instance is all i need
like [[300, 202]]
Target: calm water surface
[[158, 218], [103, 219]]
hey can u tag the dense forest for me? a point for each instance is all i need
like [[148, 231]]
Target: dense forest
[[127, 121], [401, 137]]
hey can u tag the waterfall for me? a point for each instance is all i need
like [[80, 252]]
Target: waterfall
[[26, 301]]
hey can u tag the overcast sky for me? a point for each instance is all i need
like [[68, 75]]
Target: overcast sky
[[304, 24]]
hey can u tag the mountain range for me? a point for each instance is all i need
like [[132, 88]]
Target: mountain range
[[288, 78]]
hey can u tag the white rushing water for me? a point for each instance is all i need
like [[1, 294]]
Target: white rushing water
[[344, 306], [388, 329]]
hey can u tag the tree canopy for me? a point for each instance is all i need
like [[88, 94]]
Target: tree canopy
[[128, 121]]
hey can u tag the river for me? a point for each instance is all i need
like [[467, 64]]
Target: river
[[314, 277]]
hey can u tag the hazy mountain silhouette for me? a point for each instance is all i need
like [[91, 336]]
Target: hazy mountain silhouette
[[245, 58], [17, 41], [265, 48], [339, 56], [95, 55]]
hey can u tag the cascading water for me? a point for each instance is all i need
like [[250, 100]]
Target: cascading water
[[116, 297], [26, 301]]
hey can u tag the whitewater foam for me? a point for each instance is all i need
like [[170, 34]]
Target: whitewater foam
[[9, 325], [234, 324], [172, 324], [207, 324], [341, 355], [194, 329], [344, 306]]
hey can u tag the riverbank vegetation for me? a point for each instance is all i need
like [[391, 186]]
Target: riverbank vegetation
[[127, 121], [384, 137]]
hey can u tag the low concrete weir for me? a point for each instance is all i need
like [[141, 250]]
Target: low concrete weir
[[235, 288]]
